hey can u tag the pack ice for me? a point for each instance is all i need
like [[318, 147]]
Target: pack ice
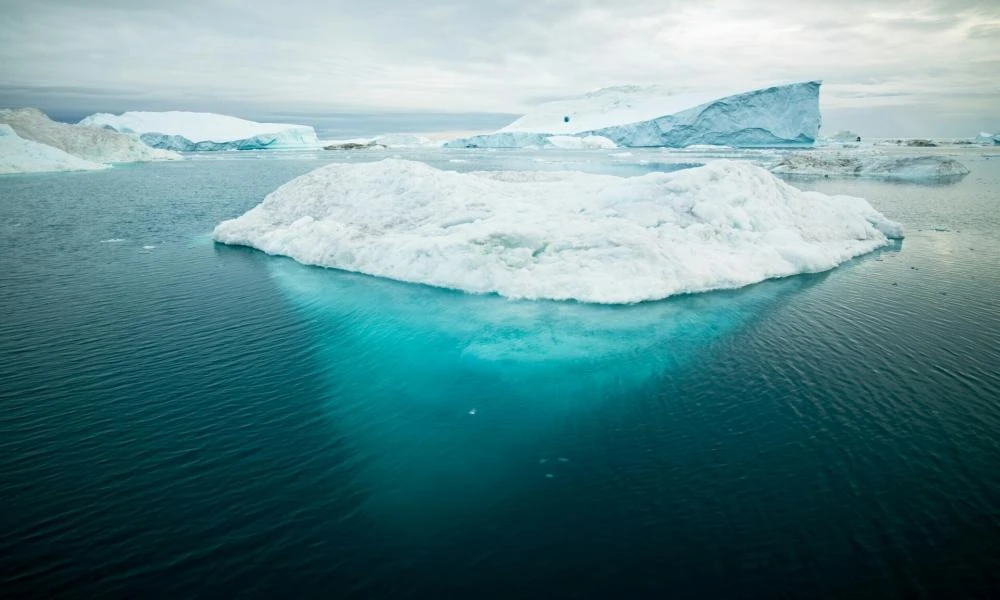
[[18, 155], [96, 145], [636, 116], [870, 165], [195, 132], [560, 235]]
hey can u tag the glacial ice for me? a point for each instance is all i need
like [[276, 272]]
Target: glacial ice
[[869, 165], [195, 132], [560, 235], [96, 145], [633, 116], [18, 155]]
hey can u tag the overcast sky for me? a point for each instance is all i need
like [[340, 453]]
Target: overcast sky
[[889, 68]]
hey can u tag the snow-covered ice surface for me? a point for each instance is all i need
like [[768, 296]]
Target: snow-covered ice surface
[[869, 164], [18, 155], [197, 132], [634, 116], [560, 235], [96, 145]]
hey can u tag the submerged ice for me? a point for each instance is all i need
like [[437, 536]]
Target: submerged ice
[[560, 235]]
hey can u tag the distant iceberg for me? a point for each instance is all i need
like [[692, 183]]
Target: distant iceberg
[[634, 116], [18, 155], [96, 145], [844, 135], [560, 235], [388, 140], [197, 132], [987, 138], [870, 165]]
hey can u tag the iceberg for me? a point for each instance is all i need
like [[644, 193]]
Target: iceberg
[[870, 165], [635, 116], [560, 235], [844, 136], [388, 140], [18, 155], [197, 132], [96, 145]]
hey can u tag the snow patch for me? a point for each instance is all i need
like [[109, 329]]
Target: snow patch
[[560, 235]]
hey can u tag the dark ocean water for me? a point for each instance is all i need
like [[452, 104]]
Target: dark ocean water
[[180, 419]]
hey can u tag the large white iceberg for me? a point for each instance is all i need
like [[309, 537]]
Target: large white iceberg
[[96, 145], [18, 155], [784, 115], [870, 165], [560, 235], [195, 132]]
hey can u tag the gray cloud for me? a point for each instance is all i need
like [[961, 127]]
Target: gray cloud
[[311, 57]]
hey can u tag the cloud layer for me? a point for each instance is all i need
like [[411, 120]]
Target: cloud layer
[[920, 62]]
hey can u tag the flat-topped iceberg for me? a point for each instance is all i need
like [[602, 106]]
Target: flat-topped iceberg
[[870, 165], [96, 145], [560, 235], [634, 116], [197, 132], [18, 155]]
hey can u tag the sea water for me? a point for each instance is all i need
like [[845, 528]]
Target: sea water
[[181, 418]]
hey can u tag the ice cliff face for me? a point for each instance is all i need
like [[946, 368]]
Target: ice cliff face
[[18, 155], [786, 115], [560, 235], [196, 132], [96, 145]]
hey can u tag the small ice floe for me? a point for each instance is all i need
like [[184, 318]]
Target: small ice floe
[[549, 475], [561, 459], [457, 160], [113, 241], [148, 247], [542, 461], [472, 412]]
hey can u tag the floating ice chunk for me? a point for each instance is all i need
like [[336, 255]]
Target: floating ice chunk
[[192, 131], [560, 235], [549, 475], [637, 116], [18, 155], [472, 412], [148, 247], [113, 241], [587, 142], [88, 143], [870, 165]]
